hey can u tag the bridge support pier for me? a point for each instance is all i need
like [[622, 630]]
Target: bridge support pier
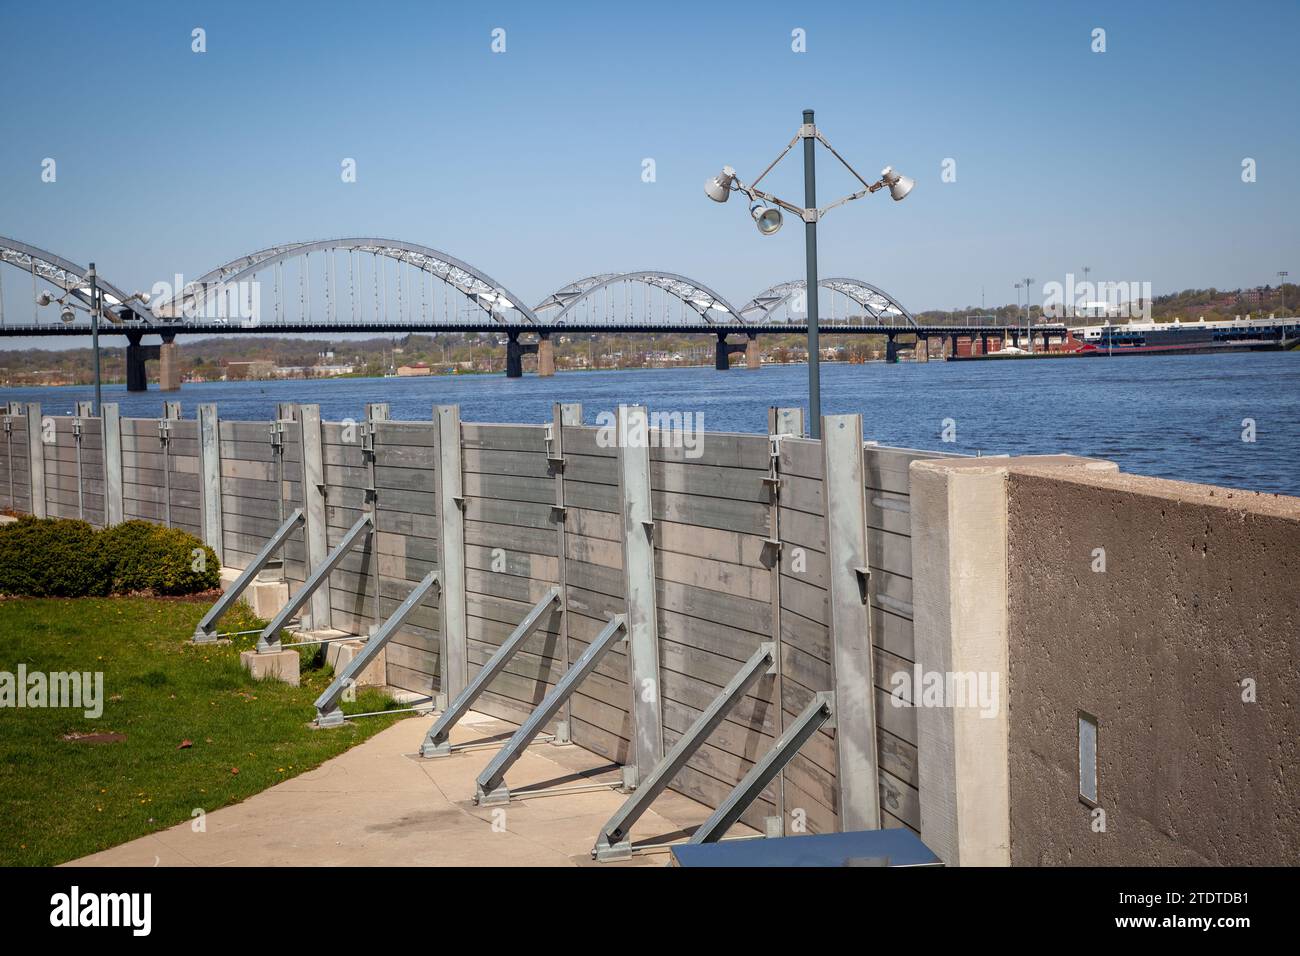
[[516, 350], [921, 352], [137, 379], [545, 356], [723, 349], [891, 349], [169, 366]]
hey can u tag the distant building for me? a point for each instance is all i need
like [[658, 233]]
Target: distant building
[[240, 371], [419, 368]]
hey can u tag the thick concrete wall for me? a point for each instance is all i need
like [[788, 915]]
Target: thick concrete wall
[[1200, 592]]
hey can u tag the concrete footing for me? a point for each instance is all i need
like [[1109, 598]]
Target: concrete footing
[[274, 665], [342, 653], [266, 595]]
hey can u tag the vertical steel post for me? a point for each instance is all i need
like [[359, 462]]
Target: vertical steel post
[[210, 473], [36, 458], [113, 499], [858, 779], [313, 493], [375, 412], [563, 415], [639, 588], [810, 243], [451, 501]]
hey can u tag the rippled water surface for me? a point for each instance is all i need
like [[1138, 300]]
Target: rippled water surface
[[1171, 416]]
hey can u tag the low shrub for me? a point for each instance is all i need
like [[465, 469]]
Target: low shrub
[[52, 557], [58, 557]]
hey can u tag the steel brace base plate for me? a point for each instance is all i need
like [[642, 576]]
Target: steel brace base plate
[[335, 718], [604, 852], [492, 798], [442, 749]]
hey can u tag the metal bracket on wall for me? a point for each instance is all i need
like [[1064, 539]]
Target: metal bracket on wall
[[612, 843], [491, 782], [205, 631], [818, 714], [437, 742], [328, 713], [269, 639]]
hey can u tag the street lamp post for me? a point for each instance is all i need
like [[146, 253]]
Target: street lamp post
[[810, 285], [768, 219], [95, 306]]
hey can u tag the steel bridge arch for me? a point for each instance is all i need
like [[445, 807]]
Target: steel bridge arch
[[880, 305], [67, 276], [697, 295], [476, 285]]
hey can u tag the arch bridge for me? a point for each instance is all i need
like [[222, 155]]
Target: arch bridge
[[376, 285]]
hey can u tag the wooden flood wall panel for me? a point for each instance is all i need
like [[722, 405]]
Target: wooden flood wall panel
[[15, 477], [153, 470], [74, 470], [259, 490], [890, 596], [714, 585], [511, 561], [601, 706], [806, 658], [406, 522], [353, 584]]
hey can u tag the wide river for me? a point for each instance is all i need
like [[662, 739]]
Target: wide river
[[1174, 416]]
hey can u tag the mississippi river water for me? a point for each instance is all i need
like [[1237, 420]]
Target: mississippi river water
[[1178, 417]]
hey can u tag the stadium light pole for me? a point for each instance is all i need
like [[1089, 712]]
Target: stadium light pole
[[765, 210]]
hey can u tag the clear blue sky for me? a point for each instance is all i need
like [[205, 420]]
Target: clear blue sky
[[528, 163]]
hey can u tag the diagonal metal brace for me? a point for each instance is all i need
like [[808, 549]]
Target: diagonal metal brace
[[491, 788], [269, 639], [612, 843], [205, 631], [437, 743], [328, 713], [819, 712]]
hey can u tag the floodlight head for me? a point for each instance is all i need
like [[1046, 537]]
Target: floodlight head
[[899, 185], [719, 187], [44, 299], [142, 296], [767, 218], [67, 315]]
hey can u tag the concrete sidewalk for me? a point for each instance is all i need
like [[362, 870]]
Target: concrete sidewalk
[[379, 805]]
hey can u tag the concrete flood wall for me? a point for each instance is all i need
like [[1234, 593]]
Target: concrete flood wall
[[1165, 614], [1186, 651], [741, 555]]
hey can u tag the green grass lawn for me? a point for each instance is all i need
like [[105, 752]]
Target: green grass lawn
[[61, 799]]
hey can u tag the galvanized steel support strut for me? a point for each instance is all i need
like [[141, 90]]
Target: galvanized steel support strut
[[205, 631], [328, 713], [612, 843], [820, 712], [437, 742], [269, 639], [491, 782]]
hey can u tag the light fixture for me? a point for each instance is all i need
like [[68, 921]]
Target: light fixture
[[719, 187], [899, 185], [766, 211], [44, 299], [767, 218], [67, 315]]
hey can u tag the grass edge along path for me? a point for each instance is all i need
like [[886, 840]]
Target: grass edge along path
[[198, 732]]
